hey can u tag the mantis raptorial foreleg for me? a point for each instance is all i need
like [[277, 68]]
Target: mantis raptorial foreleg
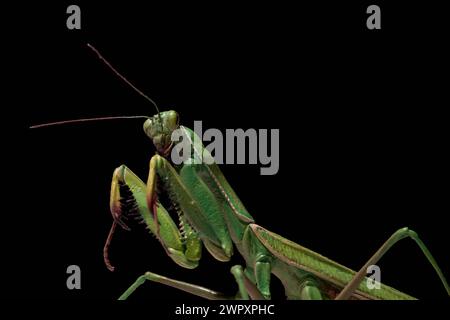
[[397, 236], [128, 196], [216, 241]]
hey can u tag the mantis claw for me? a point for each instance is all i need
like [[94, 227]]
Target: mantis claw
[[106, 247], [129, 197]]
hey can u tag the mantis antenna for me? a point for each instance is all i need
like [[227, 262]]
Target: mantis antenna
[[121, 76], [48, 124], [117, 73]]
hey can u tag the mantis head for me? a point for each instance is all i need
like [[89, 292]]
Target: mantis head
[[159, 129]]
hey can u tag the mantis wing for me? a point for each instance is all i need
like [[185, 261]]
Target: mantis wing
[[331, 272]]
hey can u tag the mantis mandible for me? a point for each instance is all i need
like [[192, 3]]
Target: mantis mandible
[[210, 214]]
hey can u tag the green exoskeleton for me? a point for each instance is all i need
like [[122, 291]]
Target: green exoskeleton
[[211, 215]]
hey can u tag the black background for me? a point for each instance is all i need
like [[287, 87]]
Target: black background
[[360, 113]]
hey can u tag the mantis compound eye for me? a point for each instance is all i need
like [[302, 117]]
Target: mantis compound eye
[[147, 127]]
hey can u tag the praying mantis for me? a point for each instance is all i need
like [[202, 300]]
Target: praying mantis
[[211, 215]]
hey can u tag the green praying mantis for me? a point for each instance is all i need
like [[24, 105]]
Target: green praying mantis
[[211, 215]]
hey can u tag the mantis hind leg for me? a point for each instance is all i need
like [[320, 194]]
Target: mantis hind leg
[[397, 236]]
